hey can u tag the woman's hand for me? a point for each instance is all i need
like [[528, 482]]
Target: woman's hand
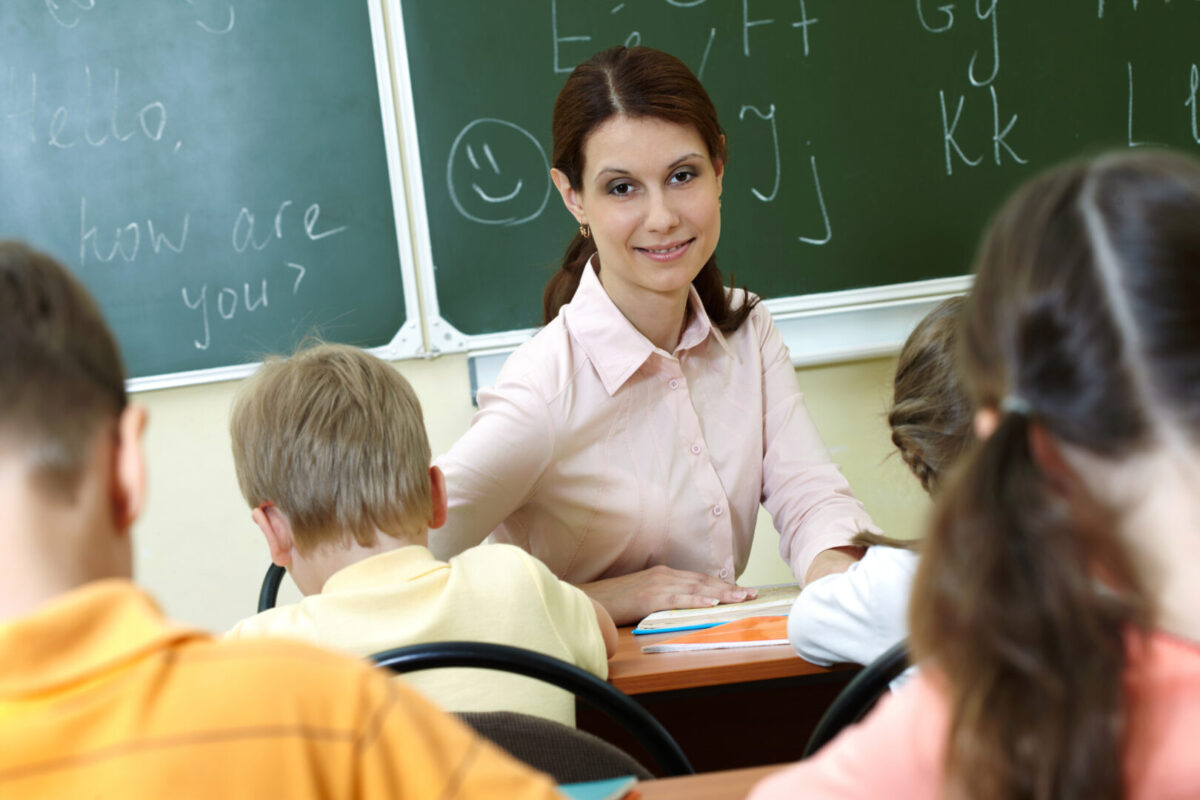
[[631, 597]]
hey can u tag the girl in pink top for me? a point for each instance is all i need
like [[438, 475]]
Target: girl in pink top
[[629, 444], [1056, 610]]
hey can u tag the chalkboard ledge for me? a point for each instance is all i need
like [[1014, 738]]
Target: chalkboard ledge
[[827, 328], [407, 343]]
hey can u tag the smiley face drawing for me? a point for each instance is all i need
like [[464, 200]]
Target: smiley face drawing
[[497, 173]]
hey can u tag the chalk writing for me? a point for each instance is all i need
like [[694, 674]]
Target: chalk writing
[[747, 24], [127, 239], [225, 22], [803, 24], [558, 66], [824, 212], [948, 134], [947, 9], [227, 306], [243, 227], [769, 117], [67, 14], [64, 130], [985, 15], [510, 195], [712, 34]]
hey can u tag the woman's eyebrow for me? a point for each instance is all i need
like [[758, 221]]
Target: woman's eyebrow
[[672, 165]]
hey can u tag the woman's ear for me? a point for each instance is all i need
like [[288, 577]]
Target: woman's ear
[[277, 530], [570, 197]]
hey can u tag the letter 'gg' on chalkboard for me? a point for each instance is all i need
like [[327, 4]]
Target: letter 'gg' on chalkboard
[[869, 141], [217, 172]]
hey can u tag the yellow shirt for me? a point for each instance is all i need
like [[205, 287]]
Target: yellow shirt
[[490, 593], [101, 698]]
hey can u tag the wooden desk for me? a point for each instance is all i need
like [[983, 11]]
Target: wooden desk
[[727, 708], [732, 784], [635, 672]]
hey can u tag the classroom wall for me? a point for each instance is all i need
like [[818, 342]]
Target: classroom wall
[[199, 553]]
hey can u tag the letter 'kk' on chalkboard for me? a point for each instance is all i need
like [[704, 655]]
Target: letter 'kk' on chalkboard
[[215, 171]]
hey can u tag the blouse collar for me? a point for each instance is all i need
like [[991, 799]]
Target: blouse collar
[[615, 347]]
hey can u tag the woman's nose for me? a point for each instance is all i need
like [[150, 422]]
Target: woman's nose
[[661, 214]]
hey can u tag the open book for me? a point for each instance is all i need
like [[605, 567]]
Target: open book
[[772, 600], [749, 632]]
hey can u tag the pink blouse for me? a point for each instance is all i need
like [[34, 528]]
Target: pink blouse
[[898, 750], [602, 455]]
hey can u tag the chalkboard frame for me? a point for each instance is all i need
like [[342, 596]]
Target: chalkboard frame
[[409, 340], [818, 328]]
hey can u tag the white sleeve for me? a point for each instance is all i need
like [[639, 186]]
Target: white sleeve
[[855, 615]]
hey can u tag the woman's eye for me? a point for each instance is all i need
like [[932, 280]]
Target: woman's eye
[[682, 176], [621, 188]]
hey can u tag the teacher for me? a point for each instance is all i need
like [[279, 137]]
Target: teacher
[[629, 443]]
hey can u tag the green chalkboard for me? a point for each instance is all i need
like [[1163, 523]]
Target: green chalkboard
[[869, 139], [214, 170]]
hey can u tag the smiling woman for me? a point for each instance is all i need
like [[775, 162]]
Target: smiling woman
[[629, 444]]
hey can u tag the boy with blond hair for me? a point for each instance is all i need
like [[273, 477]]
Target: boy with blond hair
[[102, 697], [333, 459]]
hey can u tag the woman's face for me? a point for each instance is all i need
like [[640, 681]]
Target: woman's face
[[651, 194]]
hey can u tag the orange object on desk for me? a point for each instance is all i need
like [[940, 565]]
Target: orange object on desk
[[748, 632]]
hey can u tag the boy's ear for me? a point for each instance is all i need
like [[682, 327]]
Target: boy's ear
[[277, 530], [129, 470], [437, 492]]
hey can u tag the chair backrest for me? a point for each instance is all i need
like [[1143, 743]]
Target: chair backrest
[[853, 702], [562, 752], [599, 694], [269, 592]]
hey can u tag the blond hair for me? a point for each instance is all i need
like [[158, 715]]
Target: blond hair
[[335, 439]]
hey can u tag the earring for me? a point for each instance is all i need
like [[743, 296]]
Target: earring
[[585, 230]]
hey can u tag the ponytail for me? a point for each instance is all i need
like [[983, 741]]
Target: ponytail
[[562, 284], [709, 285], [1007, 608]]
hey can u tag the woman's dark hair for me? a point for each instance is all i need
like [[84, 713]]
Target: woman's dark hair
[[930, 416], [1081, 330], [637, 82]]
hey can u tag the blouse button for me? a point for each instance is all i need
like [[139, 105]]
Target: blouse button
[[695, 449], [718, 511], [674, 384], [724, 574]]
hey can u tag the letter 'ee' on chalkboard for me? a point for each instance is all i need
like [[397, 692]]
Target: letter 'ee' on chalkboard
[[869, 141], [219, 173]]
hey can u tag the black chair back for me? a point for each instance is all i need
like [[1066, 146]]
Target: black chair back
[[599, 694], [859, 696], [564, 753], [269, 592]]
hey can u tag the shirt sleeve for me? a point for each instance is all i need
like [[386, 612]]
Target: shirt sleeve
[[857, 614], [804, 491], [492, 470], [409, 748], [572, 616], [897, 751]]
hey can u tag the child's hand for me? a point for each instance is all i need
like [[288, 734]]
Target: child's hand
[[631, 597]]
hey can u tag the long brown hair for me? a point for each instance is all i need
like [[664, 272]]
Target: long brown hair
[[930, 416], [1081, 327], [638, 82]]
